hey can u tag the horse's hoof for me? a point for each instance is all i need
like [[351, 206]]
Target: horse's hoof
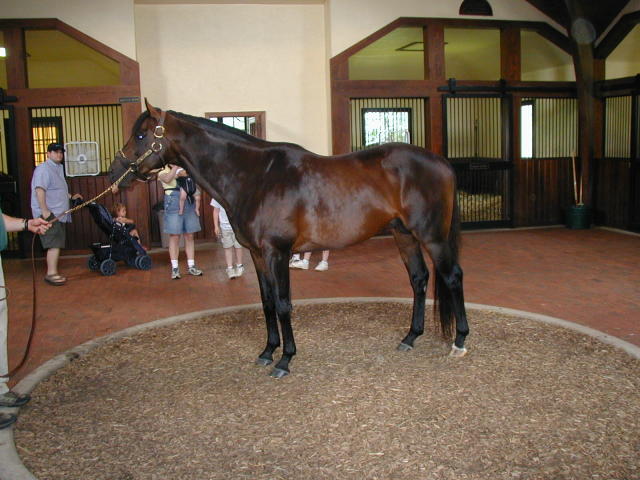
[[403, 347], [263, 362], [278, 373], [457, 352]]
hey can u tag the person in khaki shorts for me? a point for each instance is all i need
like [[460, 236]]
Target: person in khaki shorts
[[224, 231]]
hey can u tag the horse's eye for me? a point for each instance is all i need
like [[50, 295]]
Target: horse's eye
[[140, 136]]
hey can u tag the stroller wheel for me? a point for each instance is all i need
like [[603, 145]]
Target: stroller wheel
[[108, 267], [143, 262], [93, 263]]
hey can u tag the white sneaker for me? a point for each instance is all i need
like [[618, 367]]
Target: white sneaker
[[239, 270], [294, 258], [322, 266], [301, 264], [231, 272]]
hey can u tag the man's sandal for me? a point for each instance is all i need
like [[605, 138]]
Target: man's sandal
[[56, 279]]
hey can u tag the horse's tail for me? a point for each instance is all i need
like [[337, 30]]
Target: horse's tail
[[442, 299]]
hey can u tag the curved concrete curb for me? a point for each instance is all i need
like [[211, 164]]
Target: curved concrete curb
[[11, 467]]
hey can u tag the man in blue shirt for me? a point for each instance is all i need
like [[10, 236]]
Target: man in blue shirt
[[49, 200]]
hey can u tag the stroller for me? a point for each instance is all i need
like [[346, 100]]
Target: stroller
[[122, 245]]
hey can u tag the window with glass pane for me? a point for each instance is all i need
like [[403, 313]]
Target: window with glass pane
[[246, 124], [45, 131], [3, 63], [384, 125], [526, 130]]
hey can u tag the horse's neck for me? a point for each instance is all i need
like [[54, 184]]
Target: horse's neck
[[227, 170]]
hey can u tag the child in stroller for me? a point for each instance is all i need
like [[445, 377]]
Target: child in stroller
[[122, 244], [119, 214]]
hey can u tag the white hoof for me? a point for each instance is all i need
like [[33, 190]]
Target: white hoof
[[457, 352]]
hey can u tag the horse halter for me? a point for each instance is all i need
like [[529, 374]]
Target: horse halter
[[155, 147]]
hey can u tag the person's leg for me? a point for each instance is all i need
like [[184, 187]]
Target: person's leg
[[239, 264], [190, 250], [174, 252], [323, 265], [228, 256], [53, 255], [4, 361], [238, 256], [7, 398], [302, 264]]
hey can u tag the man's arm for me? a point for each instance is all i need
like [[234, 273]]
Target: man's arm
[[41, 197], [35, 225]]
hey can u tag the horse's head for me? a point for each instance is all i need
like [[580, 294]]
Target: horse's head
[[148, 149]]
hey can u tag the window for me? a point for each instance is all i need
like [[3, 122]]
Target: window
[[551, 125], [526, 130], [45, 130], [384, 125], [252, 123]]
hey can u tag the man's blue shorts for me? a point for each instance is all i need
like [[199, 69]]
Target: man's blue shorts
[[174, 223]]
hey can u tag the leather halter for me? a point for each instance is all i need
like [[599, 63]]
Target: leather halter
[[156, 146]]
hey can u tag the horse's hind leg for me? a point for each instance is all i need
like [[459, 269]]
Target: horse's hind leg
[[269, 308], [449, 284], [411, 254]]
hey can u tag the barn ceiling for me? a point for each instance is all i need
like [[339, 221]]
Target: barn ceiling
[[599, 12]]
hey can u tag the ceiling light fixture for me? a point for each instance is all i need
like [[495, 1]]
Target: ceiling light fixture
[[476, 7]]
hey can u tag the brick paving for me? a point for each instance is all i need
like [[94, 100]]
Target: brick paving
[[591, 277]]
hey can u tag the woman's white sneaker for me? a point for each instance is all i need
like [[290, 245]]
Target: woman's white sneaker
[[301, 264], [322, 266]]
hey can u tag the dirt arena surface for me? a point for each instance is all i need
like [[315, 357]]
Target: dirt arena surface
[[529, 401]]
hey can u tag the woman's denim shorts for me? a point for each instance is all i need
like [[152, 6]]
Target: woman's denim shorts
[[174, 223]]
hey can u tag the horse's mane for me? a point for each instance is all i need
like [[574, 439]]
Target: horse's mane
[[204, 123], [216, 127]]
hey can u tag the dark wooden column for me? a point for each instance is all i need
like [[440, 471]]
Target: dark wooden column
[[340, 131], [582, 40], [434, 70]]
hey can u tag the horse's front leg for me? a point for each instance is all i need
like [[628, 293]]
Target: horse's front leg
[[277, 263], [269, 308]]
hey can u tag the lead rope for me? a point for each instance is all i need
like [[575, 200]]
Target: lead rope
[[156, 146], [70, 211]]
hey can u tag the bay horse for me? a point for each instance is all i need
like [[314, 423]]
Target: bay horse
[[281, 198]]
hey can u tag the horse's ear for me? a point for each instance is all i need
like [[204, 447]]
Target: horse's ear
[[153, 111]]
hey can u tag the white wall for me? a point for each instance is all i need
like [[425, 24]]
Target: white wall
[[353, 20], [206, 58], [108, 21]]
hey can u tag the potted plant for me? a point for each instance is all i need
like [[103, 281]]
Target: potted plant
[[578, 214]]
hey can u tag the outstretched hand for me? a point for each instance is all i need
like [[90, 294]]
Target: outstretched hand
[[38, 225]]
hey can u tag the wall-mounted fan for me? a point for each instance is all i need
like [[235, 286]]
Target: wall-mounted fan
[[81, 158]]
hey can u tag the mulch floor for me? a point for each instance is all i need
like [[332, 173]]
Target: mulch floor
[[529, 401]]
